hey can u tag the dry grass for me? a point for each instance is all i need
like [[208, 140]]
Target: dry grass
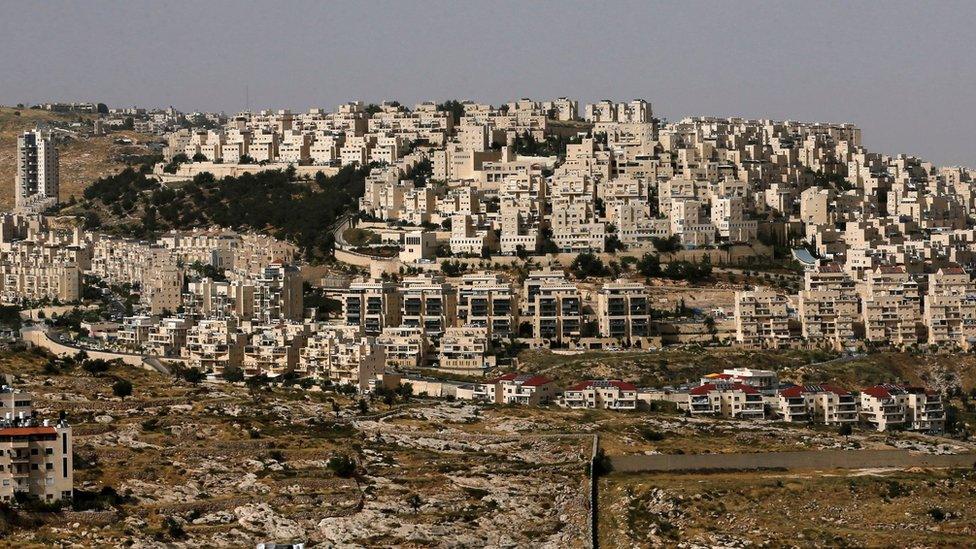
[[82, 160], [884, 509]]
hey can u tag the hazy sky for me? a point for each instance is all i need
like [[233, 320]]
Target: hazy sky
[[905, 72]]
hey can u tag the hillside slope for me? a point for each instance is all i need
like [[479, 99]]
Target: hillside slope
[[82, 160]]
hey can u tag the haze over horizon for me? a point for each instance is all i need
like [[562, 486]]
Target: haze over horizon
[[901, 71]]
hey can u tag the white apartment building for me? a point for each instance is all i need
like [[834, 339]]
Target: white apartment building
[[36, 457], [891, 406], [524, 389], [730, 400], [824, 403], [601, 394], [37, 183]]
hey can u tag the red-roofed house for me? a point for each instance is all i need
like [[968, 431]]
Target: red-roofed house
[[827, 404], [735, 400], [884, 406], [526, 389], [606, 394], [35, 458], [879, 407]]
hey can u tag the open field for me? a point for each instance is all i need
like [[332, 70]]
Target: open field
[[82, 160]]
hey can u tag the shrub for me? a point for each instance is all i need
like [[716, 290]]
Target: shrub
[[652, 435], [122, 388], [342, 466]]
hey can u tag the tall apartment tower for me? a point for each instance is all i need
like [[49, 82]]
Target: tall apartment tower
[[37, 172]]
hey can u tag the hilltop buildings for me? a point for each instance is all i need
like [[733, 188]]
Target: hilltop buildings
[[37, 184]]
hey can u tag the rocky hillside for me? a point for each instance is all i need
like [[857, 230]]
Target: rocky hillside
[[83, 160], [231, 466]]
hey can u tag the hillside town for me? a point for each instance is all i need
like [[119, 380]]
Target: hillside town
[[482, 232]]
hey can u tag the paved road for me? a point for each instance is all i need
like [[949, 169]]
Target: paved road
[[814, 459]]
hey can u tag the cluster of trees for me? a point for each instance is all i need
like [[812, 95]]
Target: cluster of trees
[[587, 265], [453, 268], [174, 164], [553, 145], [650, 266], [402, 392], [667, 245], [270, 201]]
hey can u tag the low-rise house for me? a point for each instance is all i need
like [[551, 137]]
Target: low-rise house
[[823, 403], [605, 394], [36, 458], [892, 406], [465, 350], [880, 408], [527, 389], [735, 400]]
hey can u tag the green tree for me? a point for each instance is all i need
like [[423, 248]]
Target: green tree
[[194, 375], [122, 388], [233, 374], [414, 501], [587, 265], [342, 466]]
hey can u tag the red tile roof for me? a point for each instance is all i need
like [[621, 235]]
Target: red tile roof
[[800, 390], [793, 392], [622, 385], [877, 391], [25, 431], [530, 380]]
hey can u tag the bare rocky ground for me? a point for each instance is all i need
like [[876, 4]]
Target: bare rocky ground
[[876, 508], [227, 466]]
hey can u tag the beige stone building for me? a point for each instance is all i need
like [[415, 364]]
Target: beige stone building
[[624, 312], [829, 306], [761, 318], [950, 308], [429, 303], [553, 306], [890, 306], [214, 345], [487, 300], [372, 305], [36, 458]]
